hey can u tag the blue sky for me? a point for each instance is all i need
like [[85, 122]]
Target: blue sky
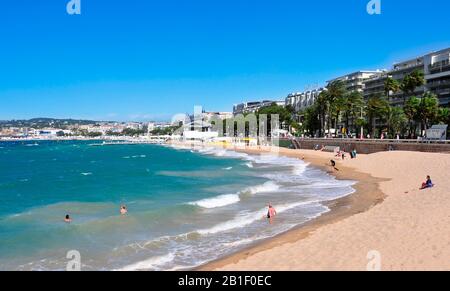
[[147, 60]]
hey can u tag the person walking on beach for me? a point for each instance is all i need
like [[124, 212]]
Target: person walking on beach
[[271, 213]]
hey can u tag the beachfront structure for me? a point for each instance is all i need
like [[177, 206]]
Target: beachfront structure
[[436, 69], [221, 115], [252, 107], [374, 86], [302, 100], [15, 132], [356, 81], [199, 129], [104, 128], [134, 125], [399, 72], [437, 75]]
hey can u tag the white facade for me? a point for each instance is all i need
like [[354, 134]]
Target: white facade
[[252, 107], [300, 101], [356, 81], [437, 74]]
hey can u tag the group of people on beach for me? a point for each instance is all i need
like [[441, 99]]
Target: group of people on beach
[[123, 211]]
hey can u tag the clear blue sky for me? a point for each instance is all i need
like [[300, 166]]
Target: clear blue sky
[[144, 59]]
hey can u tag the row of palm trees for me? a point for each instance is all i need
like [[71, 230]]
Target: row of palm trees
[[336, 107]]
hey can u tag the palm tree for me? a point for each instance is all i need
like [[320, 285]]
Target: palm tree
[[391, 85], [396, 120], [322, 108], [443, 115], [340, 105], [354, 103], [411, 109], [377, 108], [411, 82], [335, 90], [428, 109]]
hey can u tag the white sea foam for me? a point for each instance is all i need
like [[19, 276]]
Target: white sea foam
[[218, 152], [249, 164], [227, 169], [239, 221], [228, 199], [269, 186], [86, 174], [332, 183], [149, 264], [216, 202], [244, 219]]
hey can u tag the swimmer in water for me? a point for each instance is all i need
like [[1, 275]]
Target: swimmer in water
[[123, 210], [333, 165], [67, 219]]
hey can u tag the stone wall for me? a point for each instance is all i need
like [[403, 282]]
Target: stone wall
[[369, 147]]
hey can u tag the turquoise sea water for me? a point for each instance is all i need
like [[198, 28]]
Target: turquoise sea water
[[186, 206]]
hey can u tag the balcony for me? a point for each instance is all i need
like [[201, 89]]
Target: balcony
[[408, 67], [439, 67], [440, 83]]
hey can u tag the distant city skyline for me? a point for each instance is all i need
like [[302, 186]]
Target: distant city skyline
[[148, 60]]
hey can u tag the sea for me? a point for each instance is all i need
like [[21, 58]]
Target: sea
[[186, 206]]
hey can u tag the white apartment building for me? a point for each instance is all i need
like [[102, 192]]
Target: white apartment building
[[252, 107], [436, 69], [356, 81], [437, 74], [302, 100]]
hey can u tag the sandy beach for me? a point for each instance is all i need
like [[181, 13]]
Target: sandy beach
[[388, 220]]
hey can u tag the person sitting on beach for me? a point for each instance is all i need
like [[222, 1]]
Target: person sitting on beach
[[123, 210], [67, 219], [271, 213], [427, 184]]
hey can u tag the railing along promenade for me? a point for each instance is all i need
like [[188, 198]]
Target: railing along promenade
[[368, 146]]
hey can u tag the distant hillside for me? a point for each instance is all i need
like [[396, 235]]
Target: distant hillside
[[45, 122]]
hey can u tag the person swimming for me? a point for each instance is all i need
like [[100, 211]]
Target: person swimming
[[67, 219], [123, 210]]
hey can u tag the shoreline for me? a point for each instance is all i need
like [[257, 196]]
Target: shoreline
[[408, 231], [367, 194]]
